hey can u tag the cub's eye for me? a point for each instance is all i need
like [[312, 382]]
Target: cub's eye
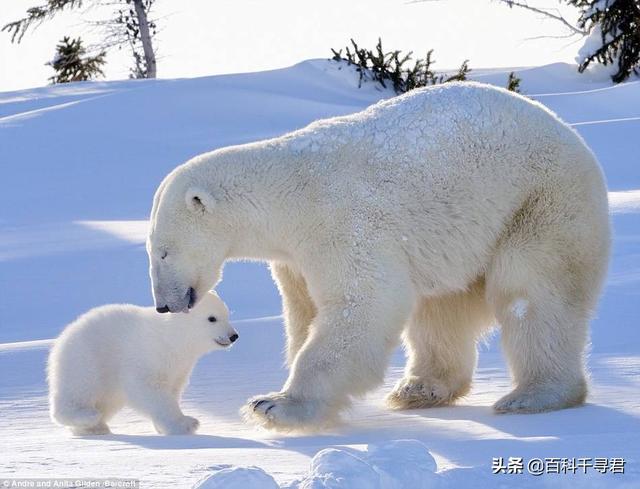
[[164, 255], [212, 319]]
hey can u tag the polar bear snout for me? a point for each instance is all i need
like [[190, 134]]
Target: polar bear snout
[[227, 340], [182, 305]]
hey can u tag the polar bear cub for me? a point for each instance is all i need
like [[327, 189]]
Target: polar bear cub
[[118, 355]]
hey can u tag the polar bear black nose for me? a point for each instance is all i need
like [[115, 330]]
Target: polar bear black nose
[[162, 309], [192, 297], [233, 337]]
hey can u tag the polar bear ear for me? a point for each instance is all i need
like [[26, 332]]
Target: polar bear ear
[[199, 200]]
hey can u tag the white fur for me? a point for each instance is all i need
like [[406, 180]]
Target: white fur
[[120, 355], [429, 213]]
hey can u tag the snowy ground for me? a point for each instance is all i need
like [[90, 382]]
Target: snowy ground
[[80, 164]]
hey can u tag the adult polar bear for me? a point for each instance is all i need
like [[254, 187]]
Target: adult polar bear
[[431, 213]]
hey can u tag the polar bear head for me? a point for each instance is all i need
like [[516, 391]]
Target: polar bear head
[[190, 236], [207, 324]]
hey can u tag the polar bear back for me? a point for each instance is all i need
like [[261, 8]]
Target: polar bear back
[[440, 172], [108, 340], [430, 179], [422, 129]]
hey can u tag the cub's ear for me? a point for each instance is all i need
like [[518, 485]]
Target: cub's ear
[[199, 200]]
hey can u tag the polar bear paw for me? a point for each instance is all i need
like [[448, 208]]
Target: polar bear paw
[[415, 393], [279, 411], [540, 398], [182, 426]]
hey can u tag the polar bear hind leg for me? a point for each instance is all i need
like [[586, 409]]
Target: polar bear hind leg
[[440, 340], [542, 284], [544, 345]]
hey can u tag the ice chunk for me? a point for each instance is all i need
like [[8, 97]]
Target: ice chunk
[[404, 463], [339, 469], [238, 478]]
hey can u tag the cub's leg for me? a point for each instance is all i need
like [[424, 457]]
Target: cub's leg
[[441, 341], [162, 407], [298, 308], [81, 419]]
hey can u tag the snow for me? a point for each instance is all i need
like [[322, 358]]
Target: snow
[[394, 464], [80, 164], [592, 43], [332, 469], [624, 202], [519, 308], [238, 478]]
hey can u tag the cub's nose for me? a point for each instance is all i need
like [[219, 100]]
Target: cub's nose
[[233, 337], [162, 309]]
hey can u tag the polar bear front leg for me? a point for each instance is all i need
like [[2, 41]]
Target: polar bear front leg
[[345, 355], [297, 307], [161, 405]]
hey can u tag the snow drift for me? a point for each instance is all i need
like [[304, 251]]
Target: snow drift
[[80, 164]]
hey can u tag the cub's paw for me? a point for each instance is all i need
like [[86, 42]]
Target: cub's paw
[[415, 393], [278, 411], [182, 426], [97, 429]]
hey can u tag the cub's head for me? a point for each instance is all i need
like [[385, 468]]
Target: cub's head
[[208, 323], [189, 239]]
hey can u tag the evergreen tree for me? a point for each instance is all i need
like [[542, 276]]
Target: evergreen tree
[[392, 67], [612, 29], [71, 62], [615, 24], [130, 26], [513, 83]]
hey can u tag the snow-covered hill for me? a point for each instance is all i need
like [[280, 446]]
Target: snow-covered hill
[[80, 163]]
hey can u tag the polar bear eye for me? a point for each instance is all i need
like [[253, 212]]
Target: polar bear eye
[[164, 255], [212, 319]]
